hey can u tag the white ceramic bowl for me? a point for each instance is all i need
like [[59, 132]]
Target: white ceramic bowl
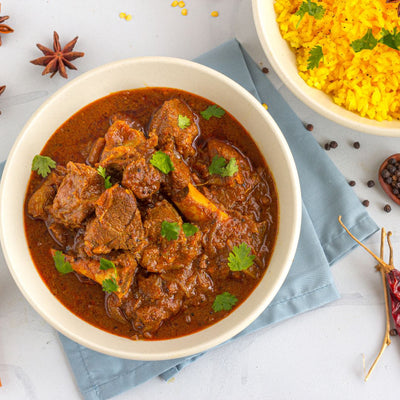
[[283, 61], [130, 74]]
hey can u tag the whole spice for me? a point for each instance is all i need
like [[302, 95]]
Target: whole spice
[[389, 177], [370, 183], [390, 277], [310, 127], [56, 60], [3, 27], [387, 208], [365, 203], [352, 183], [333, 144], [356, 145]]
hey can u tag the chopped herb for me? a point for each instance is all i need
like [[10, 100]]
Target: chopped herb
[[162, 161], [102, 172], [313, 9], [219, 166], [316, 55], [390, 39], [212, 111], [183, 122], [367, 42], [170, 230], [224, 301], [240, 258], [110, 285], [62, 266], [42, 165], [189, 229], [107, 264]]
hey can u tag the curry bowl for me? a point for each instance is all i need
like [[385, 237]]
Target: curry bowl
[[154, 72], [283, 61]]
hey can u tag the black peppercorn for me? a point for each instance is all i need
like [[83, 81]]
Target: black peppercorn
[[356, 145], [365, 203], [387, 208], [310, 127], [327, 146], [370, 183], [352, 183], [385, 173], [333, 144], [265, 70], [393, 332]]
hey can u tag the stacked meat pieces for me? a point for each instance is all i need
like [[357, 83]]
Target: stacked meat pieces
[[156, 277]]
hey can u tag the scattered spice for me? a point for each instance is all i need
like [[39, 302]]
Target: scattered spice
[[184, 11], [128, 17], [352, 183], [387, 208], [174, 3], [356, 145], [393, 332], [327, 146], [390, 277], [370, 183], [365, 203], [265, 70], [3, 27], [310, 127], [265, 106], [389, 177], [333, 144], [181, 4], [214, 13], [56, 60], [122, 15], [2, 89]]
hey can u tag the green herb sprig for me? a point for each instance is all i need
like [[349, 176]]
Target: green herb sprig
[[162, 161], [103, 173], [43, 165], [313, 9], [212, 111], [224, 301], [240, 258], [221, 167]]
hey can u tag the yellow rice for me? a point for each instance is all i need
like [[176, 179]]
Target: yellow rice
[[367, 82]]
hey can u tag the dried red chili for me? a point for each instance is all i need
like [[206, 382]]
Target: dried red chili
[[393, 280]]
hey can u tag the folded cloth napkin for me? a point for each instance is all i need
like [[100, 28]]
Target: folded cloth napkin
[[309, 284]]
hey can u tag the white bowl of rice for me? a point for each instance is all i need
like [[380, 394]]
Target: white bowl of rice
[[340, 57]]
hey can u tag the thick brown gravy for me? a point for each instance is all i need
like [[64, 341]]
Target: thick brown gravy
[[72, 141]]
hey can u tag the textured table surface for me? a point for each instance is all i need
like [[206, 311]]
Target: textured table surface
[[315, 355]]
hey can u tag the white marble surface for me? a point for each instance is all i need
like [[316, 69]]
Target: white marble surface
[[315, 355]]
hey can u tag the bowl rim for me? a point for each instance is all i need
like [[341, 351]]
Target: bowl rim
[[299, 88], [207, 344]]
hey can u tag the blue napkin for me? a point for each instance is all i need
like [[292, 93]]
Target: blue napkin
[[309, 283]]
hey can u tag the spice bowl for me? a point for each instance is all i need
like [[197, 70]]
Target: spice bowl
[[135, 73], [389, 177], [283, 61]]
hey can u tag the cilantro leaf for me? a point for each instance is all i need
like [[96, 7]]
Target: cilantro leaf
[[170, 230], [212, 111], [110, 285], [224, 301], [390, 39], [219, 166], [64, 267], [313, 9], [107, 264], [240, 257], [183, 122], [102, 172], [43, 165], [316, 55], [368, 42], [162, 161], [189, 229]]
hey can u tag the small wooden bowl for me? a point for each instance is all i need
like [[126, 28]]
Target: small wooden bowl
[[386, 187]]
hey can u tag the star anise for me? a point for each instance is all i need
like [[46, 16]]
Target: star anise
[[56, 61], [3, 27], [2, 89], [398, 7]]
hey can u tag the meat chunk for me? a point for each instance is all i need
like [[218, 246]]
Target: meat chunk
[[162, 254], [42, 199], [95, 151], [152, 304], [124, 144], [125, 264], [231, 189], [117, 224], [77, 194], [142, 178], [170, 135]]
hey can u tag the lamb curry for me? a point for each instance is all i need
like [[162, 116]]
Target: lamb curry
[[151, 213]]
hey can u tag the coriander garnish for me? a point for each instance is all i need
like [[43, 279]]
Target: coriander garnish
[[212, 111], [189, 229], [240, 258], [102, 172], [64, 267], [224, 301], [183, 122], [313, 9], [110, 285], [316, 55], [367, 42], [170, 230], [42, 165], [162, 161], [219, 166]]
